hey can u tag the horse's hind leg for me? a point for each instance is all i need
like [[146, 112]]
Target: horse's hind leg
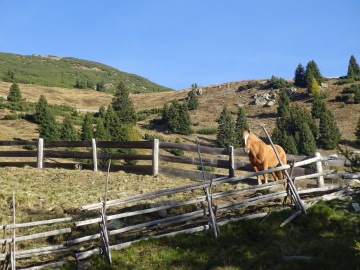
[[258, 176]]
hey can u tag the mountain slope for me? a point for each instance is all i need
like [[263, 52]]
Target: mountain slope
[[66, 72]]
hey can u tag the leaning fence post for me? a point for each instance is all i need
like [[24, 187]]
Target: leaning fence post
[[155, 157], [319, 169], [40, 156], [231, 162], [94, 154]]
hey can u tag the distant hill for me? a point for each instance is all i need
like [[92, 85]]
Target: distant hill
[[66, 72]]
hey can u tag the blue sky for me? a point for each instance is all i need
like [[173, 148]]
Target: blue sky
[[176, 43]]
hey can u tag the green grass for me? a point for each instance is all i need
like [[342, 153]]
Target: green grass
[[329, 235], [66, 71]]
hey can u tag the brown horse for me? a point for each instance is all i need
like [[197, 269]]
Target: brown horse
[[262, 156]]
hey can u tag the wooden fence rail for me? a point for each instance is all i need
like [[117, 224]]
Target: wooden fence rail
[[222, 158]]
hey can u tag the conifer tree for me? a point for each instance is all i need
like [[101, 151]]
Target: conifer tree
[[314, 89], [14, 93], [68, 131], [353, 68], [102, 111], [240, 125], [329, 133], [300, 79], [357, 131], [48, 128], [289, 144], [123, 105], [306, 144], [41, 109], [178, 118], [193, 101], [226, 130], [112, 123], [312, 71], [87, 130], [318, 107], [101, 133], [283, 104]]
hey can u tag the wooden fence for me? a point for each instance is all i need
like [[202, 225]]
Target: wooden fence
[[160, 213], [156, 160]]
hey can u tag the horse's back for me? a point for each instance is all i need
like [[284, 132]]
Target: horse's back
[[273, 160]]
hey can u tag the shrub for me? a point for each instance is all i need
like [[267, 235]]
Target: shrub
[[12, 116], [207, 131], [345, 81]]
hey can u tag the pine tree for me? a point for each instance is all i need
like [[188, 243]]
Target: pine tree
[[87, 130], [289, 144], [353, 68], [329, 133], [112, 123], [318, 107], [357, 131], [68, 131], [300, 79], [177, 118], [14, 93], [101, 133], [226, 130], [102, 111], [123, 105], [193, 101], [306, 144], [357, 96], [283, 104], [48, 128], [41, 109], [312, 71], [297, 116], [240, 125]]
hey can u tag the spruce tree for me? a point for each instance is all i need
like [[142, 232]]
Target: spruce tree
[[306, 144], [240, 125], [329, 133], [312, 71], [300, 79], [193, 101], [177, 118], [226, 130], [68, 131], [353, 68], [357, 131], [112, 123], [283, 104], [318, 107], [102, 111], [289, 144], [14, 93], [101, 133], [41, 109], [87, 130], [123, 105], [48, 128]]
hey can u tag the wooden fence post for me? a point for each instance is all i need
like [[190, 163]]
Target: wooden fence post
[[40, 156], [155, 157], [319, 169], [231, 162], [94, 154]]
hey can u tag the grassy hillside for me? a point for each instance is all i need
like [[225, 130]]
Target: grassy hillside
[[66, 71]]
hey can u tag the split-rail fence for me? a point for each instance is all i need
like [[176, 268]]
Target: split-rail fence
[[205, 205]]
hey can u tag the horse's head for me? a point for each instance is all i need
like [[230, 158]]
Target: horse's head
[[246, 140]]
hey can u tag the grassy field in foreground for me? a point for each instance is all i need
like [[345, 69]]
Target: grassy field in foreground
[[328, 237]]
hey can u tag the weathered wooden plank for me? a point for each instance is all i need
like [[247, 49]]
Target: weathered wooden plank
[[51, 265], [193, 160], [55, 144], [37, 251], [35, 223], [128, 144], [36, 235], [17, 142], [23, 153]]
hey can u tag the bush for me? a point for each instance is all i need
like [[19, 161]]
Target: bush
[[343, 97], [207, 131], [345, 81], [151, 137], [12, 116], [249, 85], [206, 168]]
